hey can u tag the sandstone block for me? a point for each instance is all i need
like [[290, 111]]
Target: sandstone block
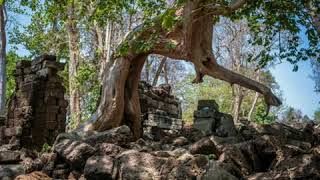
[[9, 157]]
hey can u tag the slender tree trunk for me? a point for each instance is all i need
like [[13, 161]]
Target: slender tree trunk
[[255, 100], [158, 72], [99, 40], [74, 53], [238, 92], [237, 103], [147, 70], [253, 106], [3, 64], [165, 73], [107, 48]]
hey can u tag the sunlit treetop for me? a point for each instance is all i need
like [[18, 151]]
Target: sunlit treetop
[[288, 29]]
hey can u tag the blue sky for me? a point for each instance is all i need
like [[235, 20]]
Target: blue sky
[[297, 87]]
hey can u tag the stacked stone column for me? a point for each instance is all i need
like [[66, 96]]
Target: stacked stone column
[[205, 116], [37, 109], [159, 110]]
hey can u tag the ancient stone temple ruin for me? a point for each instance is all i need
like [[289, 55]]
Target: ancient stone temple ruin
[[37, 109], [159, 108], [204, 116], [209, 120]]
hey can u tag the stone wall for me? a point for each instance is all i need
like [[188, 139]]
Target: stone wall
[[159, 108], [37, 109]]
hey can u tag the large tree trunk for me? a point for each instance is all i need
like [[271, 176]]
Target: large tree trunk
[[192, 38], [74, 54], [3, 64]]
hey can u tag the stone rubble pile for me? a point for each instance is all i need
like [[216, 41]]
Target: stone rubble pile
[[159, 108], [252, 151]]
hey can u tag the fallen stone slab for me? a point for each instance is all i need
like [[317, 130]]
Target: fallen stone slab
[[7, 157]]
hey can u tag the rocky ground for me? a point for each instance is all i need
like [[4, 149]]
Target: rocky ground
[[256, 152]]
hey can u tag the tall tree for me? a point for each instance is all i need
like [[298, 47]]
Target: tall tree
[[74, 54], [233, 52], [184, 31], [3, 63]]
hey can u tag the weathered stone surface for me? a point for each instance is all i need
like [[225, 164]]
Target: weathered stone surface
[[180, 141], [60, 173], [226, 126], [31, 165], [48, 158], [233, 160], [214, 172], [100, 167], [139, 165], [111, 150], [34, 108], [10, 171], [189, 167], [218, 141], [205, 124], [7, 157], [121, 135], [192, 134], [159, 108], [204, 113], [203, 146], [273, 151], [210, 104], [75, 175], [205, 116], [74, 152], [303, 167]]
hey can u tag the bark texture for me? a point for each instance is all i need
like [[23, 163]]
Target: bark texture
[[158, 72], [238, 98], [192, 38], [74, 54], [255, 100]]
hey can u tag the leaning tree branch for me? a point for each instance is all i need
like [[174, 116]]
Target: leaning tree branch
[[213, 69]]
